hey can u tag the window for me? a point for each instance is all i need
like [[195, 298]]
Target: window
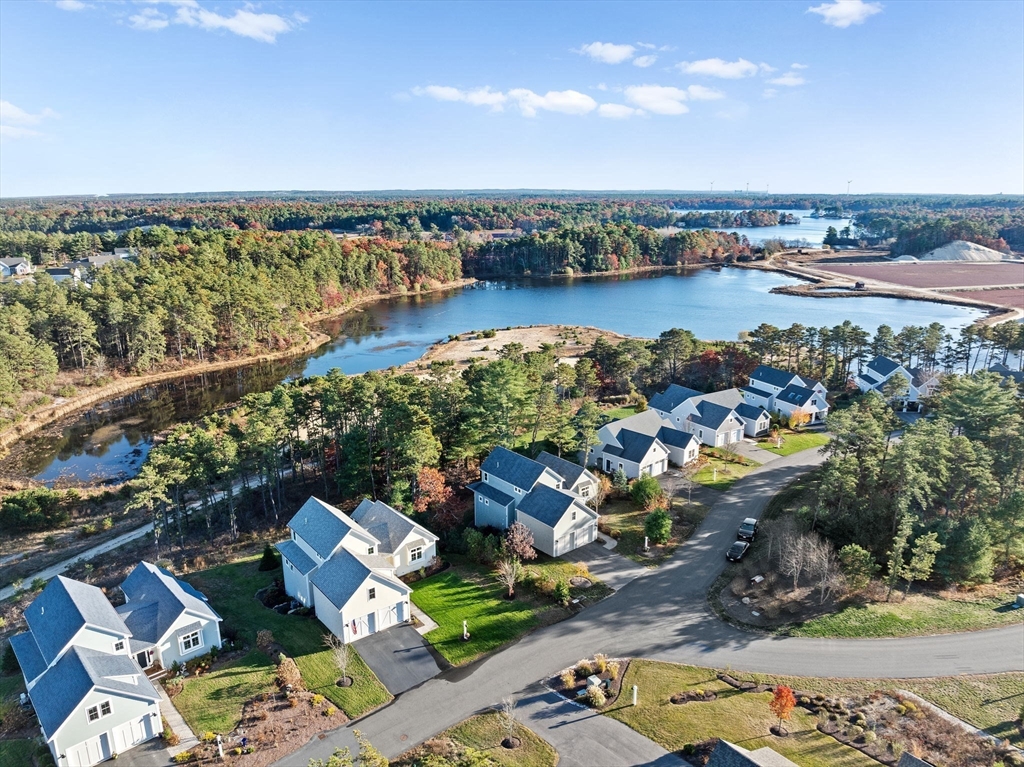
[[485, 476], [480, 498], [574, 514], [371, 593], [191, 641], [119, 645], [97, 712], [585, 491], [520, 492], [416, 554], [370, 550], [293, 535]]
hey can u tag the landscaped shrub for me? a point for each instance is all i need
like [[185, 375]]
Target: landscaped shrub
[[88, 529], [169, 736], [584, 669], [107, 523], [854, 730], [330, 711], [269, 560], [613, 669], [658, 526], [870, 737], [317, 699], [645, 492], [595, 696], [620, 481], [184, 756], [562, 592], [208, 737], [568, 680], [600, 663]]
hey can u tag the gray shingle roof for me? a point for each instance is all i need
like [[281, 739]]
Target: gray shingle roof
[[634, 446], [387, 525], [323, 527], [726, 398], [795, 395], [647, 422], [570, 472], [491, 493], [64, 686], [872, 381], [15, 261], [882, 366], [517, 470], [810, 383], [148, 585], [746, 410], [27, 653], [757, 392], [909, 760], [713, 416], [771, 376], [546, 504], [1015, 375], [291, 551], [63, 608], [671, 398], [727, 754], [675, 438], [142, 619], [343, 574]]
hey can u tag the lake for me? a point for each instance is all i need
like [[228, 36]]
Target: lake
[[110, 442], [810, 229]]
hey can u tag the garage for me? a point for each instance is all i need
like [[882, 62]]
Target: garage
[[132, 733], [89, 752]]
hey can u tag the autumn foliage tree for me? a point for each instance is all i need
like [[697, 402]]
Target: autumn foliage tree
[[519, 542], [434, 497], [782, 703]]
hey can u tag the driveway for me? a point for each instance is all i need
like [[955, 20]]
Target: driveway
[[614, 569], [399, 657], [754, 453]]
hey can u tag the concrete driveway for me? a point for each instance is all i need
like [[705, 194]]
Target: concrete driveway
[[399, 657], [614, 569]]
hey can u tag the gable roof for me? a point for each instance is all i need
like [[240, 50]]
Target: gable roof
[[795, 395], [323, 526], [517, 470], [546, 504], [729, 398], [646, 422], [633, 445], [149, 586], [293, 552], [570, 472], [757, 392], [387, 525], [343, 574], [63, 608], [772, 376], [883, 366], [1015, 375], [907, 759], [492, 493], [746, 410], [13, 261], [810, 383], [712, 416], [60, 691], [675, 437], [671, 398], [920, 376], [27, 653], [727, 754]]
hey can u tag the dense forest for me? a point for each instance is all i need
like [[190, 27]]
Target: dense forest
[[725, 219]]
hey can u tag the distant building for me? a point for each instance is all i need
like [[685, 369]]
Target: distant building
[[921, 382], [65, 273], [644, 443], [14, 267]]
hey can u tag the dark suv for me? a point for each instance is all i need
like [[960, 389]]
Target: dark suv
[[747, 530]]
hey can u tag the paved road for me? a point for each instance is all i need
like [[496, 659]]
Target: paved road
[[663, 615]]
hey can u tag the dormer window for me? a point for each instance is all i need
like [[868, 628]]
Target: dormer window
[[370, 550], [119, 645], [371, 593]]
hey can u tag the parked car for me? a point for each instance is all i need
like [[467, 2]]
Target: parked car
[[747, 530], [737, 551]]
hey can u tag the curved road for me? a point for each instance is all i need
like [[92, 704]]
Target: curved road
[[663, 615]]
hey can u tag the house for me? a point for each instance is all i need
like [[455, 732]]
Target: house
[[14, 267], [575, 478], [920, 382], [779, 391], [514, 488], [408, 546], [643, 443], [1009, 374], [170, 622], [64, 273], [728, 754], [91, 697], [700, 414], [340, 569]]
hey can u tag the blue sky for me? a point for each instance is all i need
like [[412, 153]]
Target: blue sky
[[197, 95]]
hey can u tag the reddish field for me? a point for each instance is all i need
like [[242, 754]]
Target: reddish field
[[936, 275], [1012, 297]]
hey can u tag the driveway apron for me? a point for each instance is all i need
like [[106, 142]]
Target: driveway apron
[[399, 657]]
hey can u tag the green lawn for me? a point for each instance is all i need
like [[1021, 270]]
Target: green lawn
[[794, 442], [10, 689], [484, 734], [449, 599], [19, 752], [742, 718], [232, 588], [727, 473], [554, 570], [213, 702], [619, 413], [622, 517], [919, 614]]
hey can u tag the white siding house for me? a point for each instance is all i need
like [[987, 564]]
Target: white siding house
[[920, 382], [644, 443], [786, 393], [406, 545]]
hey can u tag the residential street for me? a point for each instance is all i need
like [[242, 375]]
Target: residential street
[[663, 615]]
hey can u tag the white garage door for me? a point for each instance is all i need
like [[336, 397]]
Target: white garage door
[[89, 752], [389, 616], [132, 733]]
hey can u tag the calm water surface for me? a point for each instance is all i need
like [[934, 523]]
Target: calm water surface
[[810, 230], [110, 442]]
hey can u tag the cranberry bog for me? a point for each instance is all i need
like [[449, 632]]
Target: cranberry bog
[[946, 274], [1011, 297]]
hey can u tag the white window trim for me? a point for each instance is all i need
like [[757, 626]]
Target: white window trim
[[198, 643], [415, 553], [118, 642], [371, 593], [371, 550], [98, 708]]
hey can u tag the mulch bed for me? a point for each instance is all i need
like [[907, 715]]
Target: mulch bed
[[611, 694], [688, 696]]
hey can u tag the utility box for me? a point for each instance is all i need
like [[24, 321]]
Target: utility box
[[1020, 601]]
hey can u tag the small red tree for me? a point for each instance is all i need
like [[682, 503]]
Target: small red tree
[[434, 496], [782, 704], [519, 541]]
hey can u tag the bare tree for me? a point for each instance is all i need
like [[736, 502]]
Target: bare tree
[[793, 556], [509, 573], [508, 716], [824, 567], [341, 652]]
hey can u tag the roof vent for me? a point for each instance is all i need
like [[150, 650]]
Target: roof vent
[[42, 609], [305, 520]]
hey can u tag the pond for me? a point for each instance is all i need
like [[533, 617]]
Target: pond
[[809, 232], [109, 442]]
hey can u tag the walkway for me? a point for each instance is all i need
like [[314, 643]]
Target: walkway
[[664, 616]]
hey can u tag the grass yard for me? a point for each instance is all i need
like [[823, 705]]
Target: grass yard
[[484, 734], [10, 689], [232, 588], [727, 473], [616, 414], [449, 599], [794, 442], [19, 752], [738, 717], [555, 570], [213, 702], [918, 614], [623, 518]]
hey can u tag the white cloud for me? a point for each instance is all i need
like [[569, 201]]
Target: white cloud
[[72, 5], [567, 102], [644, 61], [609, 53], [618, 111], [477, 97], [264, 27], [765, 68], [790, 80], [15, 122], [701, 93], [148, 19], [843, 13], [769, 93], [660, 99], [647, 46], [602, 86], [798, 66], [729, 70]]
